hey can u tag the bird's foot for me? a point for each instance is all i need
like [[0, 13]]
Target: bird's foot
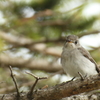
[[71, 80], [82, 77]]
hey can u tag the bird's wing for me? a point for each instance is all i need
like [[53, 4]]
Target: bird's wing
[[88, 56]]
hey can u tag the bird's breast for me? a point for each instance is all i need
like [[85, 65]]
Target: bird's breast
[[73, 62]]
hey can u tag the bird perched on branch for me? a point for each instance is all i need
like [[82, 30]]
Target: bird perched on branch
[[75, 59]]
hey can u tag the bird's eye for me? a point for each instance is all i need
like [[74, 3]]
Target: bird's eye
[[75, 42]]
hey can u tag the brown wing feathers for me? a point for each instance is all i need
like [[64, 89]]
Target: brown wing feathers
[[88, 56]]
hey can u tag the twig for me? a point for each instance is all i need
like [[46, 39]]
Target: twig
[[71, 80], [37, 79], [15, 83]]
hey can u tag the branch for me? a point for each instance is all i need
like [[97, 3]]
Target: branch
[[15, 39], [85, 96], [40, 64], [88, 33], [15, 83], [68, 89], [30, 93], [44, 13], [62, 90], [26, 84], [38, 46]]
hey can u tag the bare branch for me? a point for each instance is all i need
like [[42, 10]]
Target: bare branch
[[15, 39], [46, 12], [68, 89], [15, 83], [63, 90], [91, 32], [41, 64], [38, 46], [37, 79]]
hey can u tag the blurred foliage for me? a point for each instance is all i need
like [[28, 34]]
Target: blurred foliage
[[42, 26], [44, 19]]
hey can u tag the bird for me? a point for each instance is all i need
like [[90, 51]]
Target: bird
[[77, 60]]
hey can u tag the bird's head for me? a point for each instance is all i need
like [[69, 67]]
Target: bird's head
[[72, 41]]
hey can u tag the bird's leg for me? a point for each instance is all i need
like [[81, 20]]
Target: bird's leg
[[71, 79], [82, 77]]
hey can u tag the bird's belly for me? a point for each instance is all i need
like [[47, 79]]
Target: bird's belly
[[78, 64]]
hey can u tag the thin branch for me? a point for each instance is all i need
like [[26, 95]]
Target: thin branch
[[38, 46], [33, 64], [88, 33], [44, 13], [15, 83], [37, 79], [35, 45]]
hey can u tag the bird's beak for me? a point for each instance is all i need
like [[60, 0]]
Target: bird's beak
[[70, 42]]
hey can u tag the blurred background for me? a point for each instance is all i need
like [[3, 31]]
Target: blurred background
[[32, 34]]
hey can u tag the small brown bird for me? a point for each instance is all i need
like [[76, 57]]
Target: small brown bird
[[75, 59]]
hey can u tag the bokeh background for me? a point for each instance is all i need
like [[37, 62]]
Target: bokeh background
[[32, 34]]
